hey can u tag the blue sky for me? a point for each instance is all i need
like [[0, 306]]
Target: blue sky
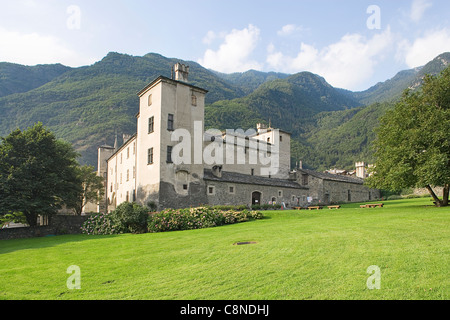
[[353, 44]]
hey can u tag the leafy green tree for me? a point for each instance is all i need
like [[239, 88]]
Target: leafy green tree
[[92, 189], [412, 146], [37, 173]]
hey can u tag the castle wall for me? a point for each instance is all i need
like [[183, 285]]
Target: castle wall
[[231, 193]]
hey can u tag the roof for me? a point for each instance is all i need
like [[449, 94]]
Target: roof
[[162, 78], [332, 177], [125, 143], [234, 177]]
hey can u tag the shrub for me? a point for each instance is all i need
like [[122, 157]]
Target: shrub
[[394, 197], [130, 217], [100, 224], [152, 206], [197, 218]]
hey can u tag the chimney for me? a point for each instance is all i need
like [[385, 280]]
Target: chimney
[[181, 72]]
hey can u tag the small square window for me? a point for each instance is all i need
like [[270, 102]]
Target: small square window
[[231, 189], [211, 190], [185, 186]]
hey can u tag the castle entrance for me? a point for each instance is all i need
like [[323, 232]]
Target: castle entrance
[[256, 197]]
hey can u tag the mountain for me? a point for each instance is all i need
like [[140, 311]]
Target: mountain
[[392, 89], [288, 103], [342, 138], [250, 80], [15, 78], [88, 105]]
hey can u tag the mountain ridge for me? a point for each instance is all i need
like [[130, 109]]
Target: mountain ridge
[[88, 105]]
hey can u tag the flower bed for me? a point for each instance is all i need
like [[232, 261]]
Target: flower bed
[[197, 218], [134, 218]]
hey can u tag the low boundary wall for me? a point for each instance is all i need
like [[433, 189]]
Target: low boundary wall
[[59, 225]]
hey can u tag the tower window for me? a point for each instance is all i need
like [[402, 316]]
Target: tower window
[[170, 122], [150, 100], [151, 124], [169, 154], [194, 100], [150, 156]]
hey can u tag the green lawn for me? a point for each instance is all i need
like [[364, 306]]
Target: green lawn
[[298, 255]]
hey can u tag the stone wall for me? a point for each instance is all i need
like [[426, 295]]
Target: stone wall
[[228, 193], [59, 225], [339, 192]]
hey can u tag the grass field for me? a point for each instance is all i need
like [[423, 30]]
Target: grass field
[[298, 255]]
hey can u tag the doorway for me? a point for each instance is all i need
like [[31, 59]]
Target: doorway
[[256, 197]]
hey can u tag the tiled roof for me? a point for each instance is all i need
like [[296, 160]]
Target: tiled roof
[[249, 179], [332, 177]]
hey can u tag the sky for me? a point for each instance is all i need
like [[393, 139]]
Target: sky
[[353, 44]]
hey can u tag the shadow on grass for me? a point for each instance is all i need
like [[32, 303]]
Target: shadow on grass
[[7, 246]]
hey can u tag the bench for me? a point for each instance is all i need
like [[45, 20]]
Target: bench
[[314, 208], [334, 207], [297, 208], [380, 205], [363, 206]]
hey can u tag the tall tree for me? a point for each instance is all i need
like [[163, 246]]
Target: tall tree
[[412, 146], [37, 173], [92, 189]]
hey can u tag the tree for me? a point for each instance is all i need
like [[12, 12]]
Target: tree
[[37, 173], [92, 189], [412, 146]]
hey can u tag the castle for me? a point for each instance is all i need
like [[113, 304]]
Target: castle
[[172, 162]]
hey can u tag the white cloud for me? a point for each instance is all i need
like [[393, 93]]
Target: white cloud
[[33, 48], [418, 9], [234, 53], [424, 49], [346, 63], [210, 37], [289, 29]]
